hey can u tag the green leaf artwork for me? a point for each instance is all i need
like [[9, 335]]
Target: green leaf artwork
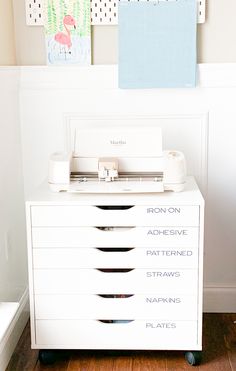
[[67, 31]]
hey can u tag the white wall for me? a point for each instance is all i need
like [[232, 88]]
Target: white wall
[[7, 41], [13, 271], [13, 262], [49, 96], [216, 38]]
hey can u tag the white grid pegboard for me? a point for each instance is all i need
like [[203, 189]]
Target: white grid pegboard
[[103, 12], [34, 12]]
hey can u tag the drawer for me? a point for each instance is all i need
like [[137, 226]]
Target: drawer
[[179, 307], [114, 215], [115, 237], [87, 281], [137, 334], [90, 257]]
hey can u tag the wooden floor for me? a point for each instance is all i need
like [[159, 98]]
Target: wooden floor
[[219, 354]]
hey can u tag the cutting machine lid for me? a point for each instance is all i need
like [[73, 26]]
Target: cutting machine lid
[[119, 142]]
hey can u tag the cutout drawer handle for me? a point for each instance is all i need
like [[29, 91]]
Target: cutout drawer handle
[[114, 229], [115, 321], [115, 249], [115, 270], [114, 207], [115, 296]]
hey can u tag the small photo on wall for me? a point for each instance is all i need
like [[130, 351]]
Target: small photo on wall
[[67, 32]]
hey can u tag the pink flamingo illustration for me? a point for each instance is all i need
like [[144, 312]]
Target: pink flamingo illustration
[[64, 38]]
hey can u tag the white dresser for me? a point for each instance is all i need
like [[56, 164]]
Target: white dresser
[[116, 271]]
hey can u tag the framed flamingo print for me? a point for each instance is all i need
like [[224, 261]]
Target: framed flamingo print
[[67, 31]]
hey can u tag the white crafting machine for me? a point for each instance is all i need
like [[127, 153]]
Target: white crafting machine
[[117, 160]]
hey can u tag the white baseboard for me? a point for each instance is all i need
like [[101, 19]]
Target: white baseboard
[[14, 331], [220, 299]]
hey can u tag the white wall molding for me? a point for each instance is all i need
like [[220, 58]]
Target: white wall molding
[[10, 75], [69, 77], [106, 77], [14, 331], [210, 75], [217, 75]]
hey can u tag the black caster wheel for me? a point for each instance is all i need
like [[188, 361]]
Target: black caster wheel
[[193, 358], [47, 357]]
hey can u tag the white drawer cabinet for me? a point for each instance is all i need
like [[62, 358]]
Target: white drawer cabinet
[[116, 271]]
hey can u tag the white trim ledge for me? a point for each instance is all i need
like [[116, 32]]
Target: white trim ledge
[[210, 75], [217, 75], [14, 331]]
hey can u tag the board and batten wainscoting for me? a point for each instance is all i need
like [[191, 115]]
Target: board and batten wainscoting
[[39, 103], [199, 121]]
